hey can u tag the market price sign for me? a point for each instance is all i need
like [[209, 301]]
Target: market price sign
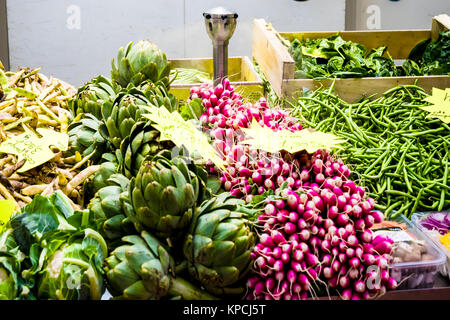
[[173, 127], [35, 150], [440, 104], [264, 138], [6, 210]]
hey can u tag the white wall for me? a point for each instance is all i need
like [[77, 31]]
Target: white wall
[[402, 14], [44, 33], [285, 15]]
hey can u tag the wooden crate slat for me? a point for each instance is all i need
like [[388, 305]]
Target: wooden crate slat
[[273, 58], [353, 89]]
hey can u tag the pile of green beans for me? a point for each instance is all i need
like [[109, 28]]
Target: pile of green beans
[[399, 154]]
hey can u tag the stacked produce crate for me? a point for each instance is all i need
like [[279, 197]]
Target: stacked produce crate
[[272, 53]]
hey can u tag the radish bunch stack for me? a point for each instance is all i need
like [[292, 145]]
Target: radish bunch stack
[[248, 172], [319, 234], [315, 231]]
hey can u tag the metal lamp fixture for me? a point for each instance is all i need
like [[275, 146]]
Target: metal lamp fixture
[[220, 24]]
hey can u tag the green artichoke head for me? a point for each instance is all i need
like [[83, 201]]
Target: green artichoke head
[[109, 209], [101, 177], [219, 244], [91, 96], [143, 142], [85, 138], [163, 195], [158, 95], [139, 269], [139, 62], [127, 109], [72, 266]]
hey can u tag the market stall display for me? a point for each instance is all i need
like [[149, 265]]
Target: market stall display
[[158, 184], [363, 61]]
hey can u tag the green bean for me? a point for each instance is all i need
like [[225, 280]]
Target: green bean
[[401, 210], [408, 184], [392, 207], [444, 180], [395, 151]]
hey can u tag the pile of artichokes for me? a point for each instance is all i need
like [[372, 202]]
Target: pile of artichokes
[[153, 226]]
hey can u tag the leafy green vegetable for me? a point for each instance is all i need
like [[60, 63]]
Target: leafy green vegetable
[[42, 215], [192, 109], [334, 57], [12, 286], [189, 76], [70, 265], [430, 57]]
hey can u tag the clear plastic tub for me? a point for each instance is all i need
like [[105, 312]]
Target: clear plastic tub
[[417, 274], [416, 218]]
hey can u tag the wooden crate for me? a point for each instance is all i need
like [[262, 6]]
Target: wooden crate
[[278, 66], [241, 74]]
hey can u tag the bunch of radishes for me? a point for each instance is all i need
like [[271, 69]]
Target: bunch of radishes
[[319, 234], [316, 229], [248, 172]]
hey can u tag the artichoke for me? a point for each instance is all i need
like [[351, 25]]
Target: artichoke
[[140, 62], [123, 114], [142, 142], [85, 138], [219, 244], [158, 96], [142, 269], [108, 209], [164, 193], [93, 95], [100, 178], [69, 266]]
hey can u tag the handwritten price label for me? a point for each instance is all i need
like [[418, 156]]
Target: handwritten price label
[[266, 139], [173, 127], [6, 210], [440, 107], [33, 149]]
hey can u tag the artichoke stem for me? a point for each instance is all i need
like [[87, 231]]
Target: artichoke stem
[[181, 287], [181, 267]]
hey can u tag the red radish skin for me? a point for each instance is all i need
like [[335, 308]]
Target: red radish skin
[[359, 286]]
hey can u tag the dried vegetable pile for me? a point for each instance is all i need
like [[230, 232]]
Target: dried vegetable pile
[[145, 224], [29, 102]]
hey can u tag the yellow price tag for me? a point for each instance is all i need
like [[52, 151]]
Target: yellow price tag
[[173, 127], [33, 149], [6, 210], [440, 108], [266, 139]]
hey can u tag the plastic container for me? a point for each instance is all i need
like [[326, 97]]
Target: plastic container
[[416, 218], [417, 274]]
